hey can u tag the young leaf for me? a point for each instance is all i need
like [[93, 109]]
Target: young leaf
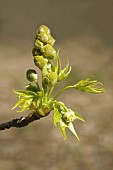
[[58, 67], [19, 102], [71, 128], [25, 106], [57, 116], [79, 117], [88, 85], [24, 92], [32, 88], [62, 127], [62, 74]]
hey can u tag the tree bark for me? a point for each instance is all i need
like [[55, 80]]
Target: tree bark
[[21, 122]]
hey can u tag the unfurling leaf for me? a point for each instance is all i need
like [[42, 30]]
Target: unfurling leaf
[[57, 116], [62, 127], [25, 100], [64, 117], [88, 85], [71, 128], [18, 103], [62, 74], [79, 117]]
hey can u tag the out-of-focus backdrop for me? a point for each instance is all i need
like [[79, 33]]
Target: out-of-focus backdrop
[[84, 32]]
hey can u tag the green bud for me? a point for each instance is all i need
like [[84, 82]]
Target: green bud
[[46, 38], [35, 52], [43, 28], [44, 110], [40, 62], [31, 75], [48, 52], [50, 79], [69, 116], [38, 44], [51, 40]]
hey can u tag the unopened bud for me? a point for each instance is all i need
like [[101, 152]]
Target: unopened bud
[[40, 62], [49, 52], [38, 44], [31, 75], [46, 38], [36, 52], [70, 115], [50, 79], [43, 28]]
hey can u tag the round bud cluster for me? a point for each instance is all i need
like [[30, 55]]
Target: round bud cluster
[[43, 50]]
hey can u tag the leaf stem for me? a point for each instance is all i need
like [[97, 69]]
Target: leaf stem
[[37, 85], [61, 91], [50, 92]]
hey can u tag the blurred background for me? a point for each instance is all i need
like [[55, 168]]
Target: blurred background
[[84, 32]]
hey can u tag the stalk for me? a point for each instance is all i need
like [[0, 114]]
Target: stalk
[[61, 91]]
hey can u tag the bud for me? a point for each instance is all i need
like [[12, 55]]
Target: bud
[[50, 79], [69, 116], [44, 110], [38, 44], [48, 52], [51, 40], [46, 38], [40, 62], [31, 75], [43, 28], [35, 51]]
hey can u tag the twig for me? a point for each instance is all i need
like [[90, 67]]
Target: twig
[[21, 122]]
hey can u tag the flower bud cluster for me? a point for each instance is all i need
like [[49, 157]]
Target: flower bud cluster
[[44, 53], [43, 50]]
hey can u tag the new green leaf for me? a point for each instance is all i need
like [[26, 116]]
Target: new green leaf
[[89, 86]]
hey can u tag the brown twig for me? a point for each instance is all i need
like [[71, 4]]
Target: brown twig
[[21, 122]]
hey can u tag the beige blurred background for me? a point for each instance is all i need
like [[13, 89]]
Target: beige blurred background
[[83, 30]]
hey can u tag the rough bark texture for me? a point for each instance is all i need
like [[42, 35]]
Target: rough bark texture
[[21, 122]]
